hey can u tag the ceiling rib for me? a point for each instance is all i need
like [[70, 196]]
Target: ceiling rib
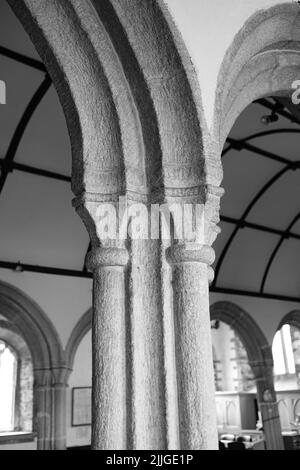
[[286, 235], [243, 145], [274, 107], [263, 190], [258, 227], [23, 59], [247, 293], [239, 144], [282, 130], [20, 267], [21, 127], [11, 166]]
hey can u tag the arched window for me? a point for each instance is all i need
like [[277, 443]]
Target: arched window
[[282, 348], [8, 380], [16, 381]]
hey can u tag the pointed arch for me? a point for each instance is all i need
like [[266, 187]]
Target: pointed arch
[[255, 342], [261, 361], [36, 328], [47, 354]]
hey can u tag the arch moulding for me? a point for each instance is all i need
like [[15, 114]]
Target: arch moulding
[[82, 327], [257, 347], [261, 361]]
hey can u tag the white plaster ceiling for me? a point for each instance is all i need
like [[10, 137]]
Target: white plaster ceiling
[[39, 226]]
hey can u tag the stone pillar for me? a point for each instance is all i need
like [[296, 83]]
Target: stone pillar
[[42, 412], [193, 346], [109, 411], [268, 406], [127, 333], [60, 407], [147, 348]]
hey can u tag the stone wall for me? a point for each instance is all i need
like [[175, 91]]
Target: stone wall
[[26, 395]]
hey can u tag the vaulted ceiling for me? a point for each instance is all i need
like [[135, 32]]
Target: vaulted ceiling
[[259, 248]]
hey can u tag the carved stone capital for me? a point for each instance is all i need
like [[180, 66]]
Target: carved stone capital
[[61, 376]]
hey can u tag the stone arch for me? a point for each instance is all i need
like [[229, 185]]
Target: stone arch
[[37, 330], [81, 328], [27, 318], [256, 345], [261, 361], [263, 60]]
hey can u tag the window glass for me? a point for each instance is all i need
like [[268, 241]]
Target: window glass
[[8, 369], [278, 356], [283, 356]]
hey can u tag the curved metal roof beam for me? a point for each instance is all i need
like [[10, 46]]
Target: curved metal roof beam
[[260, 134], [23, 59], [22, 125], [243, 144], [274, 107], [263, 190], [284, 237]]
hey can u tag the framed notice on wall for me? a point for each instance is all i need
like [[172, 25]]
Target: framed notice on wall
[[81, 406]]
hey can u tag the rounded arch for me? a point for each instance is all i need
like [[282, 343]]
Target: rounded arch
[[257, 347], [263, 60], [81, 328], [37, 330], [86, 87], [10, 334]]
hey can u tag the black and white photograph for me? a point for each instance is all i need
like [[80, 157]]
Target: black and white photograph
[[149, 228]]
